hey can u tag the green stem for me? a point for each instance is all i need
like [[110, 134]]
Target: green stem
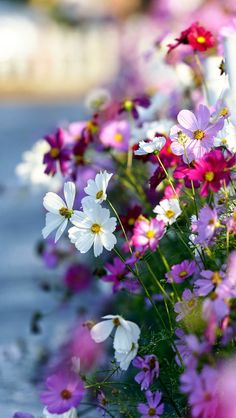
[[121, 225]]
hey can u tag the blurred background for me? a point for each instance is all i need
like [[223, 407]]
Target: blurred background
[[52, 54]]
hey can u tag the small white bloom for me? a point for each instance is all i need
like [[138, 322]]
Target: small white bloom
[[126, 333], [125, 358], [150, 145], [59, 211], [93, 227], [69, 414], [96, 189], [168, 210], [226, 137], [98, 99]]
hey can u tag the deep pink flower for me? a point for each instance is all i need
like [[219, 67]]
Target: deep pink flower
[[64, 391], [77, 277], [148, 233], [180, 272], [153, 408], [120, 276], [194, 135], [212, 171], [116, 134], [196, 36], [150, 370], [58, 154]]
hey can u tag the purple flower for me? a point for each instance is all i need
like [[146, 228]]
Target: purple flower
[[77, 277], [188, 380], [153, 408], [204, 398], [64, 391], [131, 105], [22, 415], [194, 134], [120, 276], [206, 224], [102, 401], [58, 154], [180, 272], [186, 305], [116, 134], [150, 370], [210, 281]]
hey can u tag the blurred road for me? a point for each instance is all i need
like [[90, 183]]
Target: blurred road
[[20, 227]]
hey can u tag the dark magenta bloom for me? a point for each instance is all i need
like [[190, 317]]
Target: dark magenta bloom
[[77, 277], [119, 275], [150, 370], [195, 36], [64, 391], [153, 407], [131, 105], [59, 154]]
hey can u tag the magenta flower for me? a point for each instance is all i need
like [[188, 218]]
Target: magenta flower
[[64, 391], [59, 154], [131, 105], [150, 370], [204, 398], [120, 276], [193, 136], [212, 171], [148, 233], [153, 408], [206, 224], [211, 280], [116, 134], [77, 277], [180, 272], [186, 305]]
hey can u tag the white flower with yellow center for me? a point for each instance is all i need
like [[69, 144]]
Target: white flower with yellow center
[[126, 334], [168, 211], [226, 137], [96, 189], [125, 358], [59, 211], [150, 146], [93, 227]]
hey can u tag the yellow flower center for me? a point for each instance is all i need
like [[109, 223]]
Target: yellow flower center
[[170, 213], [209, 176], [131, 221], [182, 273], [66, 394], [116, 322], [99, 194], [92, 127], [234, 216], [198, 134], [150, 234], [216, 278], [191, 303], [182, 138], [201, 39], [54, 152], [224, 111], [223, 141], [118, 137], [67, 213], [128, 105], [96, 228], [151, 412]]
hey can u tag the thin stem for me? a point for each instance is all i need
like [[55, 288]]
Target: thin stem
[[167, 176], [121, 225]]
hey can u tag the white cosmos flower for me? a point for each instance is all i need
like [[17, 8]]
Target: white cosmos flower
[[226, 137], [168, 210], [127, 333], [69, 414], [59, 211], [150, 145], [93, 227], [125, 358], [96, 188]]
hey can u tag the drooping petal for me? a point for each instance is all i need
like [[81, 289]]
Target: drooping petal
[[69, 193], [61, 229], [101, 331], [53, 221], [122, 340]]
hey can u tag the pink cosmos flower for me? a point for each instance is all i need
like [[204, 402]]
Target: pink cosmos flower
[[116, 134], [77, 277], [206, 224], [58, 155], [212, 171], [153, 408], [211, 280], [186, 305], [231, 223], [193, 136], [180, 272], [204, 397], [148, 233], [64, 391], [120, 276]]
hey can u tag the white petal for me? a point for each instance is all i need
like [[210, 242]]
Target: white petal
[[61, 229], [80, 220], [53, 203], [98, 247], [122, 340], [73, 234], [109, 224], [101, 331], [69, 193], [53, 221], [108, 240], [135, 330], [125, 358], [84, 242]]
